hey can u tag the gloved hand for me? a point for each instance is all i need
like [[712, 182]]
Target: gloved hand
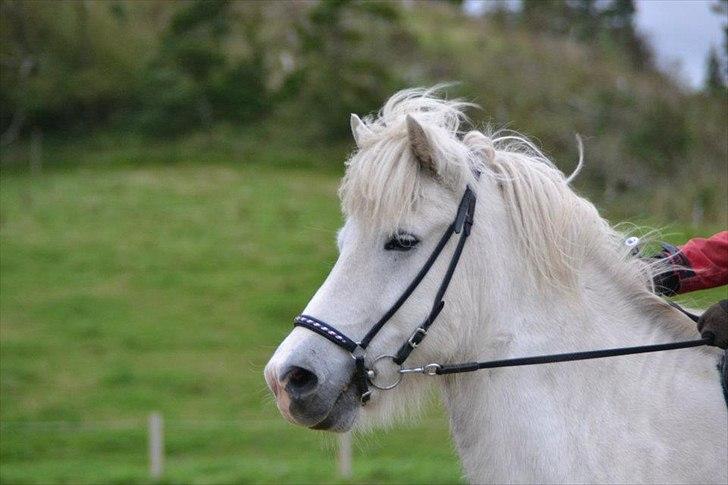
[[678, 267], [715, 321]]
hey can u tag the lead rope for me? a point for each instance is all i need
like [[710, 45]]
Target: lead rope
[[440, 369]]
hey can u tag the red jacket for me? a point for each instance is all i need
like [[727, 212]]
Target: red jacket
[[708, 262]]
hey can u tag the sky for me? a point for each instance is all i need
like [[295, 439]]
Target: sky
[[680, 33]]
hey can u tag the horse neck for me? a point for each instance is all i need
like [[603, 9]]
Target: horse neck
[[511, 308], [600, 312], [495, 414]]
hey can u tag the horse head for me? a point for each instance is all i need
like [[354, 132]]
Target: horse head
[[399, 195]]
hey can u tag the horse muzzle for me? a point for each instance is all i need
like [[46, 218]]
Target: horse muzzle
[[314, 393]]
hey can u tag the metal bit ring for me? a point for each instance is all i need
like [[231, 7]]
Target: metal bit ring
[[372, 375]]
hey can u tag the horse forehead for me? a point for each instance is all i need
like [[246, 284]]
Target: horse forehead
[[354, 235], [432, 207]]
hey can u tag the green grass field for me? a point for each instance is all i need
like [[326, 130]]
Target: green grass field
[[130, 290], [134, 289]]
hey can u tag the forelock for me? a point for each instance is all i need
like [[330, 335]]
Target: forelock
[[383, 181]]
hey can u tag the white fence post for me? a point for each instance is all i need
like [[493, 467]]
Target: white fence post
[[156, 445], [36, 151], [345, 455]]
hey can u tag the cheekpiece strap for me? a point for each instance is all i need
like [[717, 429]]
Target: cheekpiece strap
[[466, 209], [418, 335], [360, 378]]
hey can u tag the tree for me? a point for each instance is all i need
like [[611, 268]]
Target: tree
[[714, 81], [195, 79], [347, 60], [62, 65], [585, 19], [546, 16], [619, 20], [720, 7], [590, 21]]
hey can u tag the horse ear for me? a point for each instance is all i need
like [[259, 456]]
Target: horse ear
[[421, 145], [358, 129]]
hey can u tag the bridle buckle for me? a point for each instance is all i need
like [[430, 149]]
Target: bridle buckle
[[416, 338]]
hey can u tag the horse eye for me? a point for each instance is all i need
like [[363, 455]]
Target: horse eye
[[401, 242]]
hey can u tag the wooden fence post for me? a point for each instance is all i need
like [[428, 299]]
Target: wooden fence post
[[156, 445], [345, 455], [36, 151]]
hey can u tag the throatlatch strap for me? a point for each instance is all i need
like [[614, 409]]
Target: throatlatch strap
[[325, 330]]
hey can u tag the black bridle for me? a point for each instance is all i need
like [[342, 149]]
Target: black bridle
[[363, 376], [461, 225]]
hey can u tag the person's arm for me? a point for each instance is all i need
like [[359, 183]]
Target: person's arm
[[698, 265], [708, 260]]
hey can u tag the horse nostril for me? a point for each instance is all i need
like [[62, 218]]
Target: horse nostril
[[300, 381]]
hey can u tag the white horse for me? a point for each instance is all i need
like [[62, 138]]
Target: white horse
[[541, 273]]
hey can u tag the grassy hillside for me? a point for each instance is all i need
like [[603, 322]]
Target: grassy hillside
[[135, 289], [131, 290]]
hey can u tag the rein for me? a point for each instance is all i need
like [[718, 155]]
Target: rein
[[363, 376], [437, 369]]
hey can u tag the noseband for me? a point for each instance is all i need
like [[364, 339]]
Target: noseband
[[363, 376], [462, 225]]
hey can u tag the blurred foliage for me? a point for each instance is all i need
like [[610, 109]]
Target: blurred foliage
[[195, 80], [347, 63], [714, 82], [608, 25], [291, 72]]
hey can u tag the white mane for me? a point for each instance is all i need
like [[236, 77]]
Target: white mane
[[557, 230]]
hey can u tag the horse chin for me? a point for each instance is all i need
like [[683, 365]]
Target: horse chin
[[343, 413]]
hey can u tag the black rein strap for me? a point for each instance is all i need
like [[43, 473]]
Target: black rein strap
[[569, 357], [572, 356]]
